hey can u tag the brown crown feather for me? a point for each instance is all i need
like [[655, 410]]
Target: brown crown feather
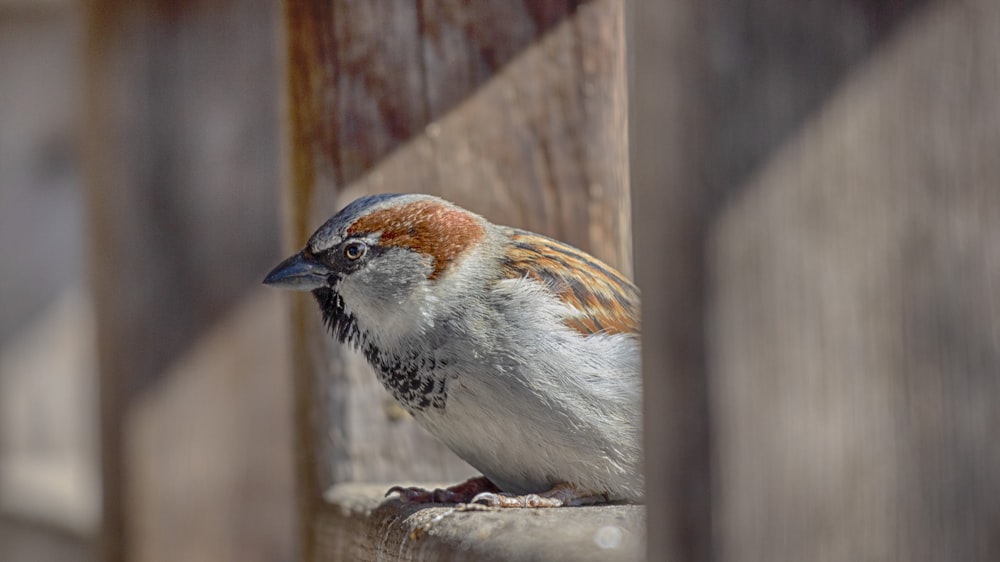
[[433, 228]]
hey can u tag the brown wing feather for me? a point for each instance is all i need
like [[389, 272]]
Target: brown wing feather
[[607, 302]]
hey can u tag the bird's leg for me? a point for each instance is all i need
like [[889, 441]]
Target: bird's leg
[[459, 493], [560, 495]]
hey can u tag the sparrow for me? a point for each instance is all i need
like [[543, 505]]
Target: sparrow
[[519, 352]]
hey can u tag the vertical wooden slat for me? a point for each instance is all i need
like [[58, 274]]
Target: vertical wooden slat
[[180, 137], [856, 329], [667, 111], [514, 110]]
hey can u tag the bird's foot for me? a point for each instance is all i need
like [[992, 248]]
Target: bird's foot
[[459, 493], [560, 495]]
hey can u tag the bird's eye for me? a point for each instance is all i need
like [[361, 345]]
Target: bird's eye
[[355, 250]]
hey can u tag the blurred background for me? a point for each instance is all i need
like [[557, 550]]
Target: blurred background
[[139, 158], [838, 296]]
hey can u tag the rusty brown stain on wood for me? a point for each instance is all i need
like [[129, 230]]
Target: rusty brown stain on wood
[[356, 97], [308, 35]]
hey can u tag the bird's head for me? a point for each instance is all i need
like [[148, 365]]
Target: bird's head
[[380, 258]]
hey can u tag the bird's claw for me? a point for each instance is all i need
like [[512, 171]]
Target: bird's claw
[[481, 491], [422, 495], [459, 493], [509, 500]]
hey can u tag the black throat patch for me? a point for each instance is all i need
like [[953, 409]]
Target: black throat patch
[[412, 378]]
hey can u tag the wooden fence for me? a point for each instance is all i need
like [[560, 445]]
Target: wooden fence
[[812, 198]]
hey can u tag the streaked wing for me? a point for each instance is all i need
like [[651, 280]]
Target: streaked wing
[[606, 302]]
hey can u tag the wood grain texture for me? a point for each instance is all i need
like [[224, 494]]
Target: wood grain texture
[[541, 146], [358, 524], [515, 110], [367, 77], [224, 488], [856, 328], [180, 139], [669, 115]]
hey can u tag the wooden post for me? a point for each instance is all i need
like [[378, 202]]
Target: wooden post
[[668, 151], [515, 110], [181, 141], [856, 323]]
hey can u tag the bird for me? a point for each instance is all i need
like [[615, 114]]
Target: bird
[[517, 351]]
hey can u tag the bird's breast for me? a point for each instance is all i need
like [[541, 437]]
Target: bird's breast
[[413, 377]]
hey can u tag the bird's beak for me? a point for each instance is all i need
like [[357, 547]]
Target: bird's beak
[[298, 273]]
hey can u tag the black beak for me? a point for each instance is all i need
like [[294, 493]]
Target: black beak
[[298, 273]]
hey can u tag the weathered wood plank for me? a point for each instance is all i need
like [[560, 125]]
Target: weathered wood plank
[[358, 524], [856, 331], [541, 146], [669, 124], [180, 140], [526, 129], [211, 474]]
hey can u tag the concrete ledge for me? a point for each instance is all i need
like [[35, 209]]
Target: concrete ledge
[[357, 523]]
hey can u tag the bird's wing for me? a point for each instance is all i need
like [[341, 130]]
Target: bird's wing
[[605, 302]]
